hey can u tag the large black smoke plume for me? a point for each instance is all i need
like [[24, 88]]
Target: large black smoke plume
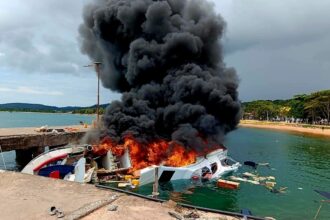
[[166, 59]]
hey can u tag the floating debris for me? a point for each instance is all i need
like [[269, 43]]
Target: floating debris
[[247, 174], [252, 164], [244, 180], [227, 184], [280, 190], [255, 165], [123, 185]]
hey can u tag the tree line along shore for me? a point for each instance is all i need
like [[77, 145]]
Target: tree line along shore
[[309, 109], [312, 109], [38, 108]]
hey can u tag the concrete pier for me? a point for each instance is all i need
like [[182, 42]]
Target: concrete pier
[[28, 143], [26, 138], [30, 197]]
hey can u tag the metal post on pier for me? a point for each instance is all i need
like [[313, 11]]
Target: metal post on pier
[[97, 70], [97, 66]]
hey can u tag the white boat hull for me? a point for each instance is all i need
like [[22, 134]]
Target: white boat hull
[[209, 162], [42, 160]]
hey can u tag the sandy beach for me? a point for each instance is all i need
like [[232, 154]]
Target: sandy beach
[[310, 130]]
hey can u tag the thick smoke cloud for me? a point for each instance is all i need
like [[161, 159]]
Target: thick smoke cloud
[[166, 59]]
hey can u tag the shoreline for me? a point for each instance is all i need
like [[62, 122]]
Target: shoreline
[[309, 130]]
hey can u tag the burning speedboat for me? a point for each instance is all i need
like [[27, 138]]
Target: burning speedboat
[[166, 161], [211, 166], [114, 162]]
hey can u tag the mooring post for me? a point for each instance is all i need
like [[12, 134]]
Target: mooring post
[[155, 192]]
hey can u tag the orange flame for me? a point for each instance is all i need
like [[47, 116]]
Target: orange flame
[[158, 152], [180, 157]]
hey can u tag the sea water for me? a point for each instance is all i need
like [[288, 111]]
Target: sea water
[[302, 164], [27, 119]]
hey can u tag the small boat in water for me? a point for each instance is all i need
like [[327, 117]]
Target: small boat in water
[[55, 156], [60, 163], [77, 163], [212, 166]]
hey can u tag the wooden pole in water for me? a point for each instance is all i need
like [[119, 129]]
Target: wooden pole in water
[[318, 211]]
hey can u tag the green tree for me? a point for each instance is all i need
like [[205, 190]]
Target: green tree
[[297, 105], [318, 105], [261, 109]]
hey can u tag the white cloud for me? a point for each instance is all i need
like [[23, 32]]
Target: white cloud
[[28, 90], [32, 91], [5, 89], [41, 36]]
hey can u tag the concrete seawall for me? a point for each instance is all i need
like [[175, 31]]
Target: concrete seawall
[[25, 138]]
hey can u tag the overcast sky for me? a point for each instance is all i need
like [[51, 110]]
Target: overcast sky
[[279, 49]]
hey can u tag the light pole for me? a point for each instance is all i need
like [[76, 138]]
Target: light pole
[[96, 66]]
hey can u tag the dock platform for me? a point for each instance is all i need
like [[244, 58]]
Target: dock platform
[[30, 197]]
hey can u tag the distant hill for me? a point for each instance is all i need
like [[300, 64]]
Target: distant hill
[[27, 107]]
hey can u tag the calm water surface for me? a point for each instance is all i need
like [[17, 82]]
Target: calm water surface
[[27, 119], [300, 163]]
